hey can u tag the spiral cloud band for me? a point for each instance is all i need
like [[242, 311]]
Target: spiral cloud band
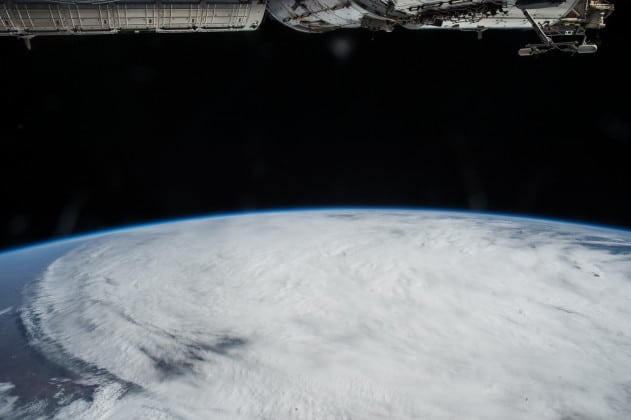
[[343, 315]]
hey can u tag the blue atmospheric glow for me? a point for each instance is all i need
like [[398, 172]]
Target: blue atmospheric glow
[[460, 212]]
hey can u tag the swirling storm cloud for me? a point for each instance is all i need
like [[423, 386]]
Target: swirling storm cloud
[[341, 315]]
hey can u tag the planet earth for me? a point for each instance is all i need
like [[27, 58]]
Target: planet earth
[[325, 314]]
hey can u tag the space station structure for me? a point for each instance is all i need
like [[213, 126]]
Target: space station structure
[[564, 25]]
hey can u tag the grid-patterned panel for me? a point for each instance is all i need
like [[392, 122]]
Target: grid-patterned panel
[[27, 18]]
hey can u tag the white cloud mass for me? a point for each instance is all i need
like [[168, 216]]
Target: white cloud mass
[[344, 315], [7, 401]]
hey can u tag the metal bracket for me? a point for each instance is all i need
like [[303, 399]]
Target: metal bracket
[[548, 44], [568, 47], [480, 31], [27, 41], [547, 41]]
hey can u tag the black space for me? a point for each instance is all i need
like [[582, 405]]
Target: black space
[[100, 132]]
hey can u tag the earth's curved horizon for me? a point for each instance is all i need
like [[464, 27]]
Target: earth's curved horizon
[[429, 210], [321, 313]]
